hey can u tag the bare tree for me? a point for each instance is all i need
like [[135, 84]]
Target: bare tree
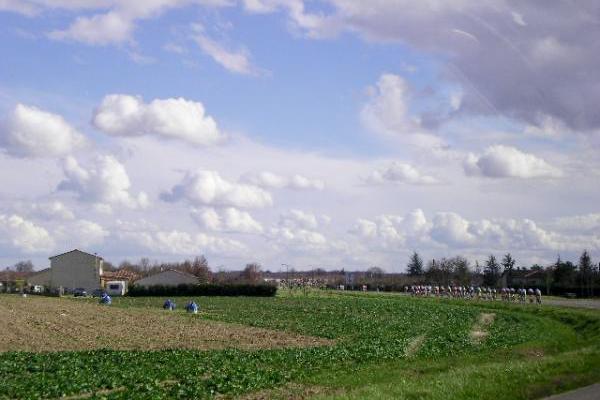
[[252, 273], [201, 270], [23, 266]]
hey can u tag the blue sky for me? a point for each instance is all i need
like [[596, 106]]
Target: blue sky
[[331, 133]]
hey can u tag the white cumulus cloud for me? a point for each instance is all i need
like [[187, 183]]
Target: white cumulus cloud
[[227, 220], [272, 180], [19, 233], [30, 132], [54, 210], [500, 161], [180, 242], [99, 29], [104, 182], [585, 224], [81, 233], [388, 112], [237, 61], [298, 231], [207, 188], [401, 173], [126, 115], [297, 219], [449, 230]]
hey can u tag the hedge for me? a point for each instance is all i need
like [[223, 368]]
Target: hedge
[[204, 290]]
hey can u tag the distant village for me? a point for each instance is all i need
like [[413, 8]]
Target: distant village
[[78, 270]]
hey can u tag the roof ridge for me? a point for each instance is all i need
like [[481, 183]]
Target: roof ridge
[[81, 251]]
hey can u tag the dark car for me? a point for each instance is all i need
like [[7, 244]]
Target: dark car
[[79, 292], [98, 293]]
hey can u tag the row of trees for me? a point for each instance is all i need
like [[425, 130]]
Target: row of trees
[[562, 274], [198, 266]]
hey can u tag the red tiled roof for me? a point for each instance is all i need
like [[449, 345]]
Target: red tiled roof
[[41, 271], [13, 275], [121, 274]]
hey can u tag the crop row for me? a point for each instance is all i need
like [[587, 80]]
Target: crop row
[[365, 330]]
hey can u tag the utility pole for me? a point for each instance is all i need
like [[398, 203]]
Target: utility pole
[[287, 274]]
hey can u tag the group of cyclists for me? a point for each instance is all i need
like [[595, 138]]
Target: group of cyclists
[[477, 293]]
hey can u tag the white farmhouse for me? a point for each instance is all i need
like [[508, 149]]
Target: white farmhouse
[[75, 269], [170, 277]]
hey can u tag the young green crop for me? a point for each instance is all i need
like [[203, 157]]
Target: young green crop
[[366, 330]]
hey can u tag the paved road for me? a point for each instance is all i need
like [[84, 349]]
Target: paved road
[[586, 393], [574, 303]]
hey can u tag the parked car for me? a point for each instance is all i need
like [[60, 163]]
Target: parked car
[[36, 289], [98, 293], [79, 292]]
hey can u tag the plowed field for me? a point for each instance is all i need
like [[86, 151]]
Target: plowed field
[[49, 324]]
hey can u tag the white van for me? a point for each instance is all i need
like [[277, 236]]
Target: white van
[[115, 288]]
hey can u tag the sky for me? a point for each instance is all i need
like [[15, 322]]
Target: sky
[[313, 134]]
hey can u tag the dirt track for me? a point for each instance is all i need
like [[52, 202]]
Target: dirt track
[[52, 324]]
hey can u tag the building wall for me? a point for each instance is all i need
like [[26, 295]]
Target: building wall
[[43, 279], [76, 269], [170, 278], [527, 281]]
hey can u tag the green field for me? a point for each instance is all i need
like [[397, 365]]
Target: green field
[[386, 347]]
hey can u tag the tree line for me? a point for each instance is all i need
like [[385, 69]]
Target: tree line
[[584, 277], [198, 266]]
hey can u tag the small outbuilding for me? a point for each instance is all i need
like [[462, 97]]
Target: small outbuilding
[[40, 278], [170, 277]]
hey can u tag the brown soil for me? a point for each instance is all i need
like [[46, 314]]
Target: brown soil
[[532, 352], [479, 331], [414, 345], [52, 324], [291, 391]]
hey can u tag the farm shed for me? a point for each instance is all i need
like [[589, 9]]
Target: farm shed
[[40, 278], [170, 277], [75, 269]]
